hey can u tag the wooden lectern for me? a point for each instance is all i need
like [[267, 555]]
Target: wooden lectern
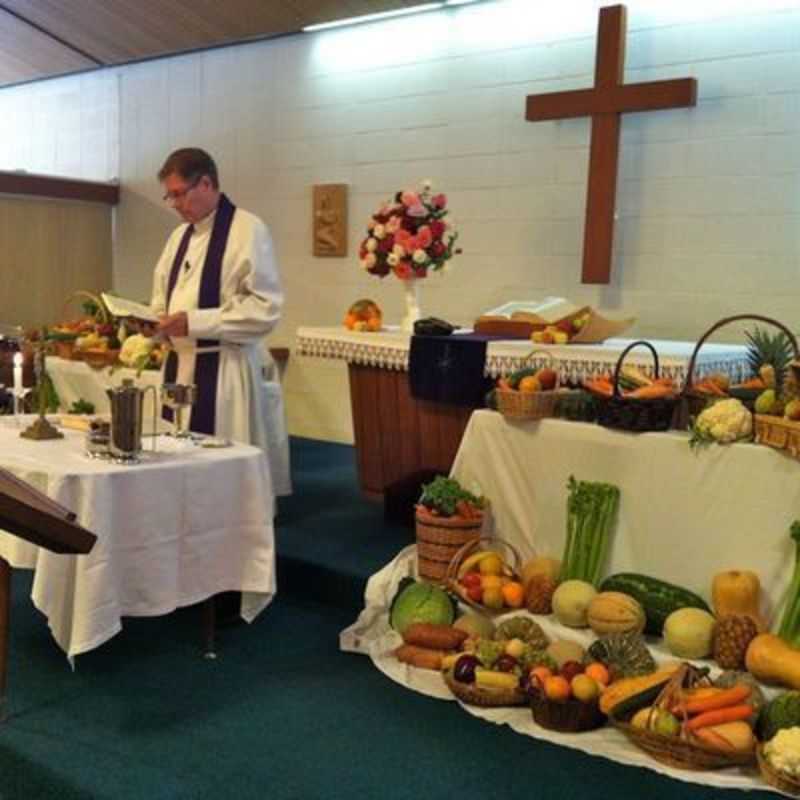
[[31, 515]]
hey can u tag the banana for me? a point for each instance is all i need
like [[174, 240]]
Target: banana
[[492, 679], [472, 561]]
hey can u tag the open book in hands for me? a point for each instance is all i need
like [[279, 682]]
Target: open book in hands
[[120, 307]]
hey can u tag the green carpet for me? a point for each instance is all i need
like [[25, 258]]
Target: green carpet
[[281, 714]]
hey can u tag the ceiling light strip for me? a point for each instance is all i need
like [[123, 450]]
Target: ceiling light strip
[[385, 15]]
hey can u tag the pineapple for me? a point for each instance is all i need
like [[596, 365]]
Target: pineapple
[[765, 350]]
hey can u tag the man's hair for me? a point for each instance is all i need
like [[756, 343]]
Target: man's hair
[[191, 163]]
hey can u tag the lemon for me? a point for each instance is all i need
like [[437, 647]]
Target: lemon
[[493, 597]]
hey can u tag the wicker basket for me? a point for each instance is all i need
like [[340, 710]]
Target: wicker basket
[[571, 716], [486, 697], [783, 434], [677, 751], [530, 405], [778, 780], [439, 539], [634, 414], [694, 402], [97, 359], [510, 556]]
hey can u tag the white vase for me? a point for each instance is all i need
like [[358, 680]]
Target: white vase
[[411, 298]]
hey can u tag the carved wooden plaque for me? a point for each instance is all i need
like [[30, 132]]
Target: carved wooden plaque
[[329, 223]]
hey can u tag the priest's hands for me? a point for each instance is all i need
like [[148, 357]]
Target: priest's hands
[[174, 326]]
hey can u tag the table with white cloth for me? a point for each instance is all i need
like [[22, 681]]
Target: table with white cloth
[[185, 523], [76, 380], [397, 435]]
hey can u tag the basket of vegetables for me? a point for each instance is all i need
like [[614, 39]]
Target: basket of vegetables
[[779, 761], [530, 392], [631, 400], [485, 574], [447, 517], [688, 722], [768, 358]]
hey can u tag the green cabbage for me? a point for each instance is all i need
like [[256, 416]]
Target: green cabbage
[[421, 602], [781, 712]]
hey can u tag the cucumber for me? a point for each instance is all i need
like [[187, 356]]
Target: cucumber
[[658, 598]]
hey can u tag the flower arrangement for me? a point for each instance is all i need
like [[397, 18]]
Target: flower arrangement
[[409, 236]]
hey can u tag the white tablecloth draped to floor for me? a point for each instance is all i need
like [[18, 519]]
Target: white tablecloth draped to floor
[[371, 635], [389, 349], [76, 380], [683, 515], [184, 524]]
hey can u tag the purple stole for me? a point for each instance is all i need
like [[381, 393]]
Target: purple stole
[[206, 368]]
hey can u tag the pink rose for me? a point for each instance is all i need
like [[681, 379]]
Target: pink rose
[[439, 200], [403, 237], [424, 237], [417, 210], [409, 198]]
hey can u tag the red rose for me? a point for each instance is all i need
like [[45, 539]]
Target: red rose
[[386, 244], [437, 228], [437, 249], [439, 200]]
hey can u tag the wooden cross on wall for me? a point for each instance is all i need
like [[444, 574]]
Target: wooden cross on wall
[[604, 103]]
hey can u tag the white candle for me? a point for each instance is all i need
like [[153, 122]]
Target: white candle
[[17, 374]]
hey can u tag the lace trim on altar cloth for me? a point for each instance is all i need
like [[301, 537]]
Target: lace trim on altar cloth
[[573, 368]]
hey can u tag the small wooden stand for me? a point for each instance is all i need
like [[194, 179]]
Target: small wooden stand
[[40, 430]]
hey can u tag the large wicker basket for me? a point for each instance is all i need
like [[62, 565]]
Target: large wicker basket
[[677, 751], [783, 434], [634, 414], [779, 780], [530, 405], [694, 402], [569, 716], [441, 538]]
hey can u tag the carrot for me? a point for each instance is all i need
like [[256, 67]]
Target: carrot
[[711, 738], [709, 387], [718, 716], [727, 697], [600, 386], [652, 392]]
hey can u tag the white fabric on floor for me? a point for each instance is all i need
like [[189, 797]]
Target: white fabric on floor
[[371, 635], [184, 524]]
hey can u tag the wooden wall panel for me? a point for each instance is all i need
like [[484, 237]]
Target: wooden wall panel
[[49, 249]]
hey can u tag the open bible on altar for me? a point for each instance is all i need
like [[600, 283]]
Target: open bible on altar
[[120, 307], [519, 320]]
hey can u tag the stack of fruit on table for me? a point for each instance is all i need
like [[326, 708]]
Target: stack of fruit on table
[[561, 332], [364, 315], [91, 337]]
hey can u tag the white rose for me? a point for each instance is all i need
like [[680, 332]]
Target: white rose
[[399, 251], [420, 256], [427, 185], [371, 245], [379, 231], [392, 260]]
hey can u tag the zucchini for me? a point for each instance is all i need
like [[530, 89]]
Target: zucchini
[[658, 598], [630, 705]]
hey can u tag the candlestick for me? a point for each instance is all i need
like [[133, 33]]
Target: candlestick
[[18, 389]]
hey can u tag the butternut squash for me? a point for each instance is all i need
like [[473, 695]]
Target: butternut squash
[[626, 688], [738, 592], [771, 660]]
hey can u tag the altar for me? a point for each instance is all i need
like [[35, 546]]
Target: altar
[[397, 435], [184, 524]]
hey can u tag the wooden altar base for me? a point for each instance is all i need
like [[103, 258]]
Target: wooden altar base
[[5, 616], [397, 435]]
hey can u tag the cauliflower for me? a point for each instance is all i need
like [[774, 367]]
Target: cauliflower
[[724, 421], [136, 350], [783, 751]]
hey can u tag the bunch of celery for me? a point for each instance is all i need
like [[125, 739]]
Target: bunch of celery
[[789, 630], [591, 511]]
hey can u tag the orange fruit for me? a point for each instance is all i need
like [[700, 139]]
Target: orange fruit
[[541, 674], [513, 594], [598, 672], [584, 688], [530, 383], [556, 688]]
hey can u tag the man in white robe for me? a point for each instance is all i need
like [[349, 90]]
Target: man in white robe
[[217, 291]]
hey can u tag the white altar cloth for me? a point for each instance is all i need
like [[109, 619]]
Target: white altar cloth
[[389, 349], [184, 524], [683, 517], [371, 635], [76, 380]]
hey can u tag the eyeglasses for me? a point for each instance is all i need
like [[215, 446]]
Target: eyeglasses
[[171, 198]]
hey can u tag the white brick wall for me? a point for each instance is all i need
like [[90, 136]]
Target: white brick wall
[[708, 198]]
